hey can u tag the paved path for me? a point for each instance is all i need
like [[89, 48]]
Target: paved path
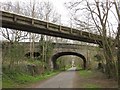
[[72, 79], [62, 80]]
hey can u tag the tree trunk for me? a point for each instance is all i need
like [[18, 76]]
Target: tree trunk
[[110, 64], [118, 56], [33, 45], [110, 69], [30, 45]]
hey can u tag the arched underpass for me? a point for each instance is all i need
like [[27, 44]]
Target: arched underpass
[[57, 55]]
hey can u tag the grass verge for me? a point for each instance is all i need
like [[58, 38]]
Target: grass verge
[[89, 85], [85, 73], [18, 80]]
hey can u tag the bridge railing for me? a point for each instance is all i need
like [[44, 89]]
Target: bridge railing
[[22, 21]]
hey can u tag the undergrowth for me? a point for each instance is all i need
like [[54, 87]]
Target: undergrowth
[[16, 79]]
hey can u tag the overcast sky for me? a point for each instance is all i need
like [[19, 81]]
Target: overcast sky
[[58, 6]]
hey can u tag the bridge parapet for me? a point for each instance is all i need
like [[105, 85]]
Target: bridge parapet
[[23, 23]]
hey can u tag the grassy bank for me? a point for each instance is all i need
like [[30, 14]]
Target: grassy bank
[[89, 86], [87, 75], [16, 80]]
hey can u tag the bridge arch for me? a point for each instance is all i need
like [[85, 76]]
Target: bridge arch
[[59, 54]]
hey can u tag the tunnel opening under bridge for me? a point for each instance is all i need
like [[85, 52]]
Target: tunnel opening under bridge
[[59, 54]]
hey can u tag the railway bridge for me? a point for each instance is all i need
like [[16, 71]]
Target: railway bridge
[[85, 52], [29, 24]]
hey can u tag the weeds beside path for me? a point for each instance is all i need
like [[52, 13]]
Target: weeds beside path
[[18, 80], [89, 79]]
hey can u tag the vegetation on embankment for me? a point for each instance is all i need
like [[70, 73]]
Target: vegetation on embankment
[[91, 86], [94, 80], [85, 73], [20, 69], [16, 79]]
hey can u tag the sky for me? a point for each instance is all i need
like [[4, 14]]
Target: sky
[[60, 8], [57, 4]]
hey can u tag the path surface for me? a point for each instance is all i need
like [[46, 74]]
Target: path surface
[[72, 79], [62, 80]]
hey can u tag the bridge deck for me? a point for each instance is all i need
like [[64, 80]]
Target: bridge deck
[[23, 23]]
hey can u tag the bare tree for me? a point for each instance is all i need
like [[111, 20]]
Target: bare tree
[[118, 39], [97, 13], [9, 34], [45, 11]]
